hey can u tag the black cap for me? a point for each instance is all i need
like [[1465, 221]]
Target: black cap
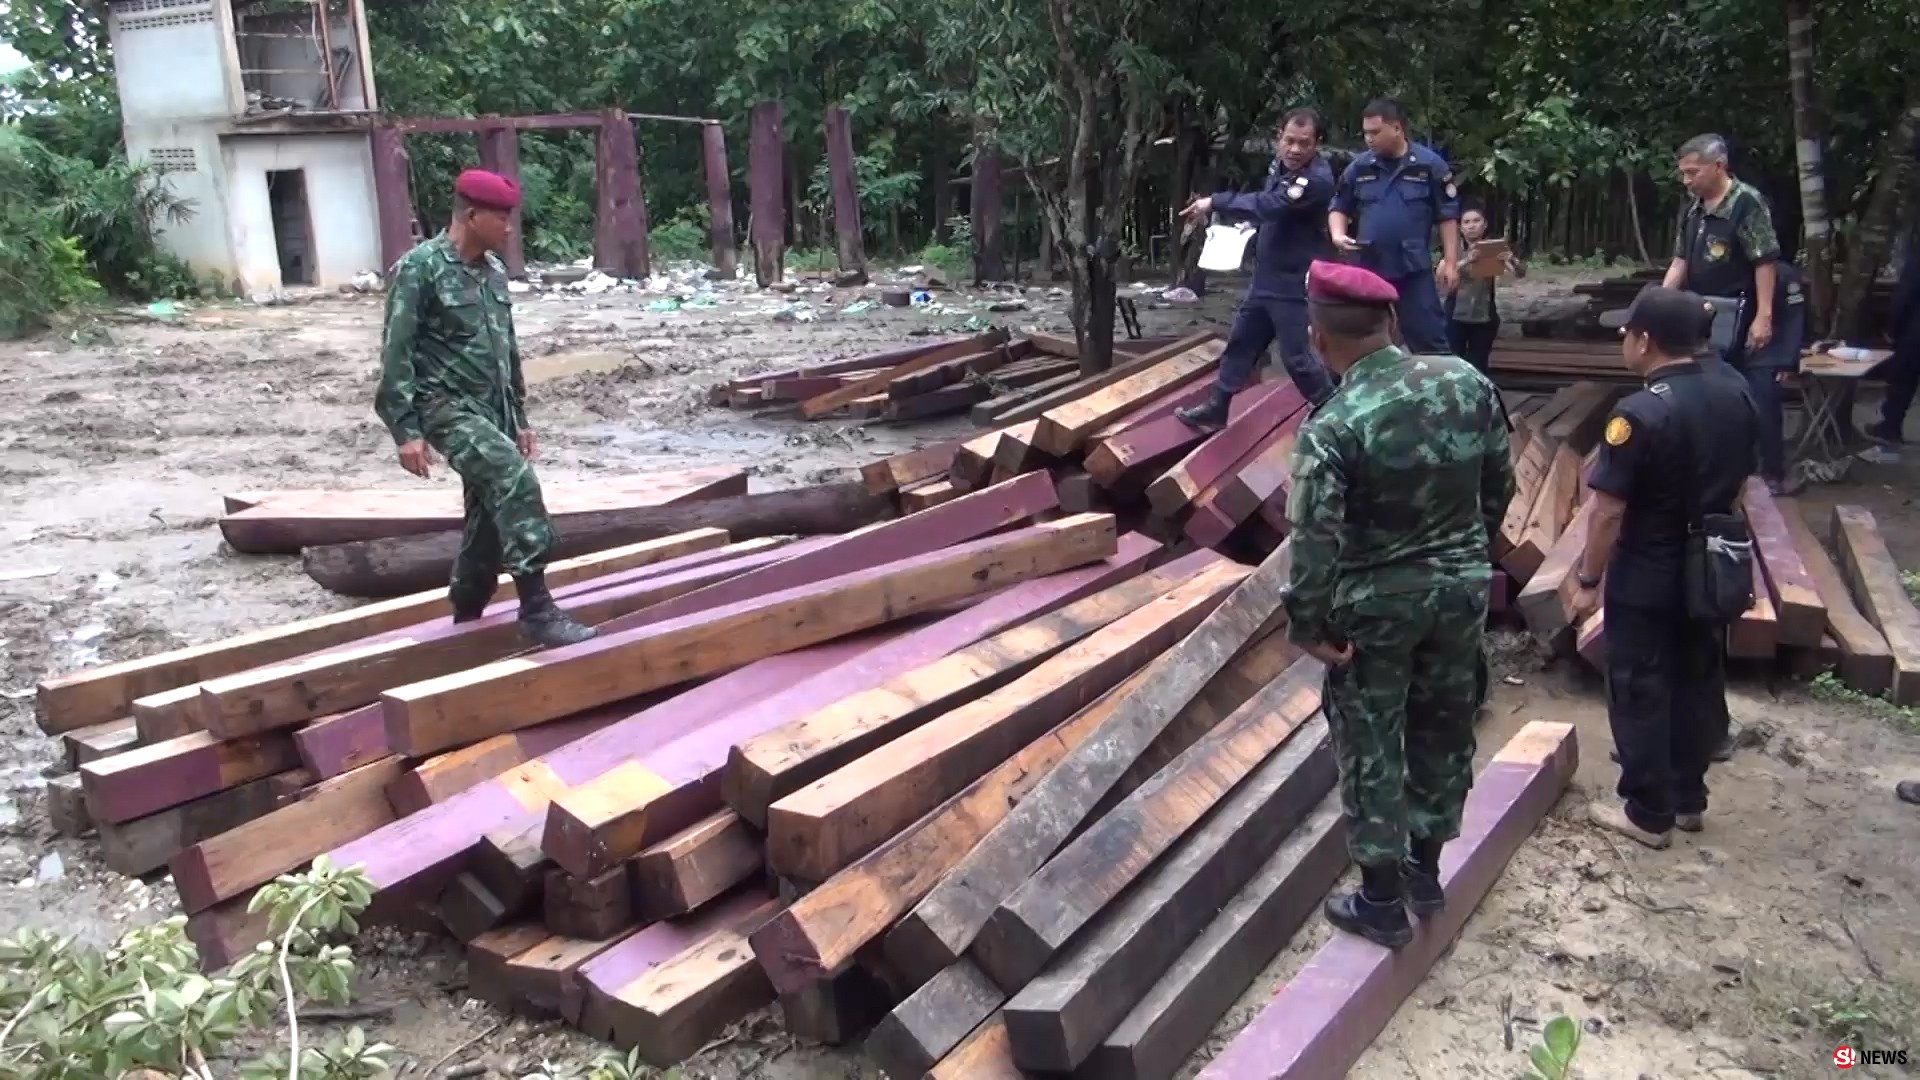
[[1677, 321]]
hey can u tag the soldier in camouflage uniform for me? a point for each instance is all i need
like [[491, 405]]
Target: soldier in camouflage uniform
[[450, 380], [1398, 482]]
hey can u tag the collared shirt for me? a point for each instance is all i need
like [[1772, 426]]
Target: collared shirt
[[1399, 480], [1291, 209], [1399, 201], [1691, 433], [1722, 245], [448, 340]]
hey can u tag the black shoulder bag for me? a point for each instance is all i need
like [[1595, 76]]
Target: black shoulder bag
[[1717, 575]]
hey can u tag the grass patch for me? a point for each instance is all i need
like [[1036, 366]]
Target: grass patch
[[1827, 687], [1868, 1014]]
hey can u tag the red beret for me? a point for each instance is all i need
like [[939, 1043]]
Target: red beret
[[490, 189], [1339, 283]]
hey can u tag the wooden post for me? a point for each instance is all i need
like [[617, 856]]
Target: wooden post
[[500, 152], [713, 144], [846, 195], [392, 193], [619, 231], [766, 180], [988, 264]]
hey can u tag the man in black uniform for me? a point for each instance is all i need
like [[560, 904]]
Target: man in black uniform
[[1727, 250], [1678, 450]]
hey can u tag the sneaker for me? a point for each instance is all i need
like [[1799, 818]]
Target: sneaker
[[1690, 822], [1384, 924], [1613, 818]]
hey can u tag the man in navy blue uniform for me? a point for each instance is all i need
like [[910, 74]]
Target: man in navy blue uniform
[[1291, 212], [1401, 190]]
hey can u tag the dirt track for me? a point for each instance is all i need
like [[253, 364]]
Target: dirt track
[[1716, 957]]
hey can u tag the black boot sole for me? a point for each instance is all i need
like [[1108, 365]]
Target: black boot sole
[[1426, 909], [1386, 939], [537, 637]]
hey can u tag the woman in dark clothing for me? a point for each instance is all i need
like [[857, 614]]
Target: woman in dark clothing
[[1473, 319]]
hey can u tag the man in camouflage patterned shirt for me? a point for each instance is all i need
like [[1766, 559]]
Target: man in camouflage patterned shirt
[[450, 380], [1399, 480]]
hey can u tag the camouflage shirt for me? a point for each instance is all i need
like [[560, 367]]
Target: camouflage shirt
[[449, 339], [1758, 243], [1399, 480]]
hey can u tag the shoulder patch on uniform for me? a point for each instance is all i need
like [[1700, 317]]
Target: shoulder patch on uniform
[[1661, 388], [1619, 430]]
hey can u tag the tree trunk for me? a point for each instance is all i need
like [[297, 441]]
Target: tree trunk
[[1873, 238], [1808, 138], [989, 262], [1189, 168], [941, 170], [1633, 212]]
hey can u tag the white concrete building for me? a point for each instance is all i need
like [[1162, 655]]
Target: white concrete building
[[258, 111]]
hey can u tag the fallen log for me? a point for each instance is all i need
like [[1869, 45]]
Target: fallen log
[[395, 565]]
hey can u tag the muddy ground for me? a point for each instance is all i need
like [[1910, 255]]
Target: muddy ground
[[1744, 951]]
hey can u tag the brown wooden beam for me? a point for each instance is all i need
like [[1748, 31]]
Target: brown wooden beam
[[500, 152], [620, 216], [713, 157], [766, 184], [846, 194]]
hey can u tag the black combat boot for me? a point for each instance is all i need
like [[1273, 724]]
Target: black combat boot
[[1375, 910], [541, 622], [1421, 872], [1211, 416], [470, 598]]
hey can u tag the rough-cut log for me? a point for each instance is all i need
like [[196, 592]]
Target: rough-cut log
[[342, 743], [819, 829], [167, 715], [1529, 472], [1543, 600], [1801, 615], [1091, 384], [927, 496], [411, 563], [1325, 1016], [713, 158], [67, 806], [503, 696], [441, 778], [1547, 517], [139, 847], [1755, 634], [1064, 427], [933, 1020], [620, 209], [1181, 1007], [286, 526], [596, 907], [890, 474], [951, 916], [1058, 1019], [1213, 518], [1260, 484], [670, 1012], [965, 519], [149, 779], [1865, 661], [877, 383], [327, 815], [602, 978], [823, 930], [973, 461], [1212, 459], [416, 854], [694, 865], [284, 694], [765, 769], [544, 981], [109, 692], [611, 818], [1875, 578], [1077, 884]]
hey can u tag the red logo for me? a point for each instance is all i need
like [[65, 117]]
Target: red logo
[[1846, 1057]]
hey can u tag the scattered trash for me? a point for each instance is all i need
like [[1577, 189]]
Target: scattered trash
[[859, 307], [1180, 294], [518, 287], [1513, 680], [366, 281], [10, 814], [164, 309], [912, 269], [29, 572], [795, 313], [596, 283], [268, 298], [705, 301], [921, 298], [1007, 305], [664, 306], [52, 869]]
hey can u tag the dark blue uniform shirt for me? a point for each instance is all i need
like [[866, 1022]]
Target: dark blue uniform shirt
[[1398, 202], [1291, 210]]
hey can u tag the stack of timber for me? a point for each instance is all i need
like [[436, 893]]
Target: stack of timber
[[919, 381], [1532, 363], [991, 787]]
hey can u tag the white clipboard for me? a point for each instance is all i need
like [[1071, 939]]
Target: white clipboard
[[1226, 246]]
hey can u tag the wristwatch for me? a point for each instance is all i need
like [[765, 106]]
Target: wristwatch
[[1587, 582]]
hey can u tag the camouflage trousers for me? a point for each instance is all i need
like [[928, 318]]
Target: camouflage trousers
[[1401, 713], [507, 527]]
